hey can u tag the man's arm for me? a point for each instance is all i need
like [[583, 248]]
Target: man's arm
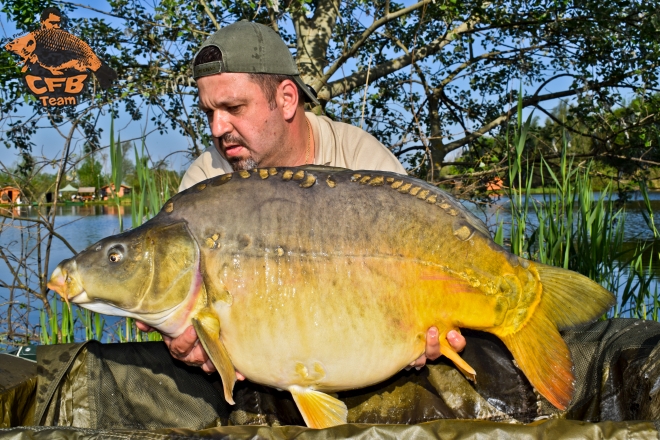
[[186, 348]]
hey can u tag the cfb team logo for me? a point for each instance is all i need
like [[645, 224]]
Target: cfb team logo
[[59, 62]]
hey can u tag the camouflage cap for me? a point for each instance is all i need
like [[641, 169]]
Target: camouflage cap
[[251, 48]]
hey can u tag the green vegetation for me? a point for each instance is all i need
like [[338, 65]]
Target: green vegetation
[[435, 77], [90, 172], [622, 149], [66, 322], [576, 231]]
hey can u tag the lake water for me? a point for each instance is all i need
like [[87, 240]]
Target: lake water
[[82, 226]]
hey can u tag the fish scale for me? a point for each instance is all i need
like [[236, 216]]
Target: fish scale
[[57, 40], [301, 277]]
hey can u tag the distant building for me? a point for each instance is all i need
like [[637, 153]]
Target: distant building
[[86, 193], [10, 195], [495, 185], [107, 191]]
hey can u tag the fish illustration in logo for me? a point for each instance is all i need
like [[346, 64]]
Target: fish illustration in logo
[[57, 51]]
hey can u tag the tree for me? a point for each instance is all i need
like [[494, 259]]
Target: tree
[[90, 172], [441, 73]]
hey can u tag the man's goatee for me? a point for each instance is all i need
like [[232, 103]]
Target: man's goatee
[[244, 164]]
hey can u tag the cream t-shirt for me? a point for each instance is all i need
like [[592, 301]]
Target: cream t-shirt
[[336, 144]]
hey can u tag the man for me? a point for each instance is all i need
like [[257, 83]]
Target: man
[[51, 18], [251, 91]]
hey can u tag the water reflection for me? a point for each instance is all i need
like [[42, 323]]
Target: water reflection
[[13, 211], [651, 253]]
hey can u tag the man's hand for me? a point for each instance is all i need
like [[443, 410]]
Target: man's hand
[[432, 352], [186, 348]]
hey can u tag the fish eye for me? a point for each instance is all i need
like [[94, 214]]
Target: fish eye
[[116, 254]]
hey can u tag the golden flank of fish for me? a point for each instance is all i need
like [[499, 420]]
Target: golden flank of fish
[[316, 280]]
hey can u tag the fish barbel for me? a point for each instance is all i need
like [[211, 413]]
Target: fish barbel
[[317, 279]]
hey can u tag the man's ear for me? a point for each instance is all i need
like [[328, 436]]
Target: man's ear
[[287, 94]]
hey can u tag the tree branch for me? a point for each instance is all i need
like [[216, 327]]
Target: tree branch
[[210, 14], [43, 223], [346, 54], [358, 79], [533, 100]]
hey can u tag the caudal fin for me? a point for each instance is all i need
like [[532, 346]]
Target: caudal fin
[[567, 299], [570, 298]]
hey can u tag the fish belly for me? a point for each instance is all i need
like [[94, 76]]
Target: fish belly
[[336, 323]]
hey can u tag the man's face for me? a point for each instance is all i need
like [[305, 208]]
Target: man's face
[[246, 131], [52, 22]]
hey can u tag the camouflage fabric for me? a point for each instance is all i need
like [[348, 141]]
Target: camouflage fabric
[[18, 382], [440, 429], [137, 390]]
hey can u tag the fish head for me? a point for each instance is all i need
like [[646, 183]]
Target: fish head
[[23, 46], [146, 273]]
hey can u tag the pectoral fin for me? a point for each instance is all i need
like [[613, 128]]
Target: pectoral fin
[[319, 409], [464, 367], [207, 327]]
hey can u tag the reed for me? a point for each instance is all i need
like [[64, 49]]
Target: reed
[[74, 323], [574, 230], [519, 187], [116, 163]]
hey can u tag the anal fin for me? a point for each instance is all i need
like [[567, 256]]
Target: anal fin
[[464, 367], [319, 409], [207, 327]]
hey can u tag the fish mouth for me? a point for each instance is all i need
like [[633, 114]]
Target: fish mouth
[[64, 283]]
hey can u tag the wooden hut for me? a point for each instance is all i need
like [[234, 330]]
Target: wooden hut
[[495, 185], [108, 191], [10, 195]]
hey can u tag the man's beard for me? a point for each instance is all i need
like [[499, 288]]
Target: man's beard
[[237, 164], [244, 164]]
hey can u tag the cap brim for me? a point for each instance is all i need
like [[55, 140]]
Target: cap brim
[[307, 90]]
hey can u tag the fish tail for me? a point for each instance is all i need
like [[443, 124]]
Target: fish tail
[[570, 298], [567, 299]]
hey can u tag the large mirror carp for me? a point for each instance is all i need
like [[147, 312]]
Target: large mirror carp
[[316, 280]]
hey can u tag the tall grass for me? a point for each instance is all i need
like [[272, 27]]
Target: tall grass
[[519, 199], [576, 231], [116, 163], [74, 323], [150, 198]]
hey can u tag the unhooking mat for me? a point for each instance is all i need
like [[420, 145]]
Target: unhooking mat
[[137, 390]]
